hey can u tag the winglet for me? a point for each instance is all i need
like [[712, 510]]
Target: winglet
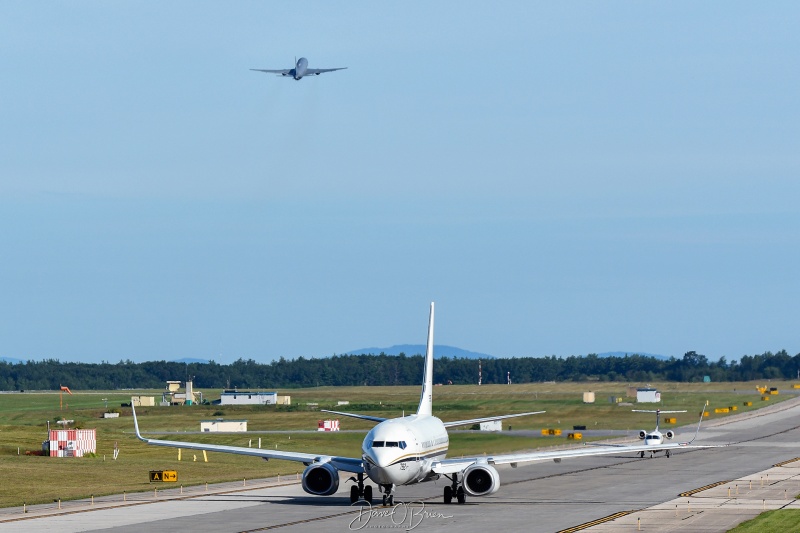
[[702, 415], [136, 425], [426, 398]]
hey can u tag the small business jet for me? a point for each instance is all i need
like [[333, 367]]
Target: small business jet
[[405, 451], [300, 69], [656, 438]]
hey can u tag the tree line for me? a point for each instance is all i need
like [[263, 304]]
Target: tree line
[[382, 369]]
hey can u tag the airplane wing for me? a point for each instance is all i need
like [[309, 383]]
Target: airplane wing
[[353, 415], [450, 466], [348, 464], [487, 419], [313, 71], [283, 72]]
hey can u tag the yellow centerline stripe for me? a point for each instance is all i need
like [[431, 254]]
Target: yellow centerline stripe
[[596, 522], [701, 489], [787, 462]]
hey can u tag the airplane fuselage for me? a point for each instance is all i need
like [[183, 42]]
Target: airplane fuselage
[[300, 68], [400, 451], [654, 439]]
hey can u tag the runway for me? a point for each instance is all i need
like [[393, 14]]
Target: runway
[[541, 497]]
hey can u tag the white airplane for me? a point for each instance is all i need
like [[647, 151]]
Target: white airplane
[[300, 69], [656, 438], [405, 451]]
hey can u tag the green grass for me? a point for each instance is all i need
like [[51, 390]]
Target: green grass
[[779, 520], [23, 420]]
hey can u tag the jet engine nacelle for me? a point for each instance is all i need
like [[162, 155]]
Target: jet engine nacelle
[[321, 479], [642, 434], [670, 434], [480, 480]]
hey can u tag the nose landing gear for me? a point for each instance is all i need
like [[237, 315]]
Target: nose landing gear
[[388, 497]]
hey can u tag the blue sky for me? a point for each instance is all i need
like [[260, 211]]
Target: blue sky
[[560, 179]]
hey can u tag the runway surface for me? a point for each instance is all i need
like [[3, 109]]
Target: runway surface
[[541, 497]]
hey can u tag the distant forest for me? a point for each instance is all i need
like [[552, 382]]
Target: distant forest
[[349, 370]]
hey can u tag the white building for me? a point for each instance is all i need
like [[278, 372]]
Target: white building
[[224, 426], [494, 425], [648, 396], [248, 398]]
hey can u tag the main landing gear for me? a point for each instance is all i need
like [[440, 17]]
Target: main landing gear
[[652, 454], [454, 489], [360, 491]]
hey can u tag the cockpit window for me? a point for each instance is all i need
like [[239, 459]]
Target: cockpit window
[[388, 444]]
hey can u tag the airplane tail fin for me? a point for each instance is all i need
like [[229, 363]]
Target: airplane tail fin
[[426, 398]]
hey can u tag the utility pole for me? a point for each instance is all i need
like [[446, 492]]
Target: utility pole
[[508, 378], [480, 375]]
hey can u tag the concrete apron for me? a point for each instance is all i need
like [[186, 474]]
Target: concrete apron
[[716, 508]]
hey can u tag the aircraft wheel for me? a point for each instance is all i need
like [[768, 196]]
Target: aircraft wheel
[[460, 495], [368, 494], [353, 494], [641, 454], [667, 453], [390, 500], [448, 494], [384, 499]]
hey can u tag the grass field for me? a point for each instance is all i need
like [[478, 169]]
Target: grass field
[[780, 520], [23, 418]]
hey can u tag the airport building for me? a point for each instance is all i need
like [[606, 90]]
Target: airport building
[[143, 401], [648, 396], [248, 398], [220, 425]]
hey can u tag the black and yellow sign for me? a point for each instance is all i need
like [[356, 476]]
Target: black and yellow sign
[[164, 475]]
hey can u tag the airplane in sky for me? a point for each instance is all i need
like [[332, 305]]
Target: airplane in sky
[[300, 69], [409, 450]]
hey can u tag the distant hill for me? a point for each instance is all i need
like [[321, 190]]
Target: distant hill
[[11, 360], [191, 360], [440, 350], [623, 354]]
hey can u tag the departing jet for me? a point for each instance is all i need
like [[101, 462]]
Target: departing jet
[[408, 450], [300, 69]]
